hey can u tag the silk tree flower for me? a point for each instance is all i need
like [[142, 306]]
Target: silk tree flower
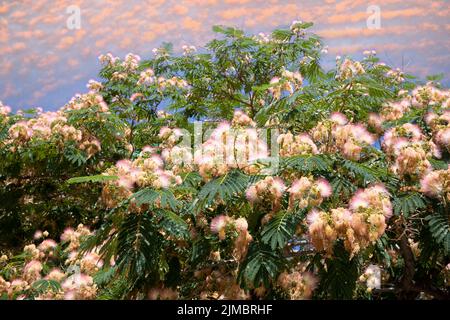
[[351, 138], [358, 226], [397, 75], [33, 252], [47, 245], [436, 184], [219, 224], [440, 126], [267, 191], [38, 235], [308, 192], [187, 50], [178, 159], [91, 146], [52, 126], [336, 134], [56, 275], [170, 136], [91, 262], [295, 26], [295, 78], [371, 277], [131, 61], [288, 82], [20, 131], [147, 150], [108, 59], [94, 86], [32, 270], [79, 287], [241, 224], [375, 197], [263, 38], [291, 145], [297, 284], [146, 170], [242, 241], [411, 159], [231, 146], [136, 96], [147, 77], [349, 68], [18, 285], [395, 110], [423, 96], [242, 120], [321, 231], [409, 151], [443, 138], [339, 118], [4, 110], [324, 188]]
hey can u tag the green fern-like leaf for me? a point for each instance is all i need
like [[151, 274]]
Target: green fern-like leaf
[[438, 164], [223, 188], [307, 163], [440, 230], [408, 204], [138, 247], [339, 278], [172, 223], [104, 276], [96, 178], [361, 170], [76, 156], [43, 285], [280, 229], [260, 267], [342, 186], [165, 197]]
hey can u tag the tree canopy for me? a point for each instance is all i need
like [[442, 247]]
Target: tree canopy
[[243, 170]]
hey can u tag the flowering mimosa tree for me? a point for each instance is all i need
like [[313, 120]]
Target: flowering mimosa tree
[[240, 171]]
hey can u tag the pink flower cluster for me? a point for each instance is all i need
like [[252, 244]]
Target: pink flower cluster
[[440, 126], [307, 192], [90, 101], [358, 226], [51, 126], [268, 191], [349, 69], [54, 126], [405, 144], [230, 147], [428, 95], [108, 59], [170, 137], [241, 119], [147, 77], [289, 82], [337, 134], [94, 86], [146, 170], [395, 110], [222, 223], [297, 284], [177, 158], [371, 277], [291, 145], [436, 184], [4, 110], [36, 267], [396, 74]]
